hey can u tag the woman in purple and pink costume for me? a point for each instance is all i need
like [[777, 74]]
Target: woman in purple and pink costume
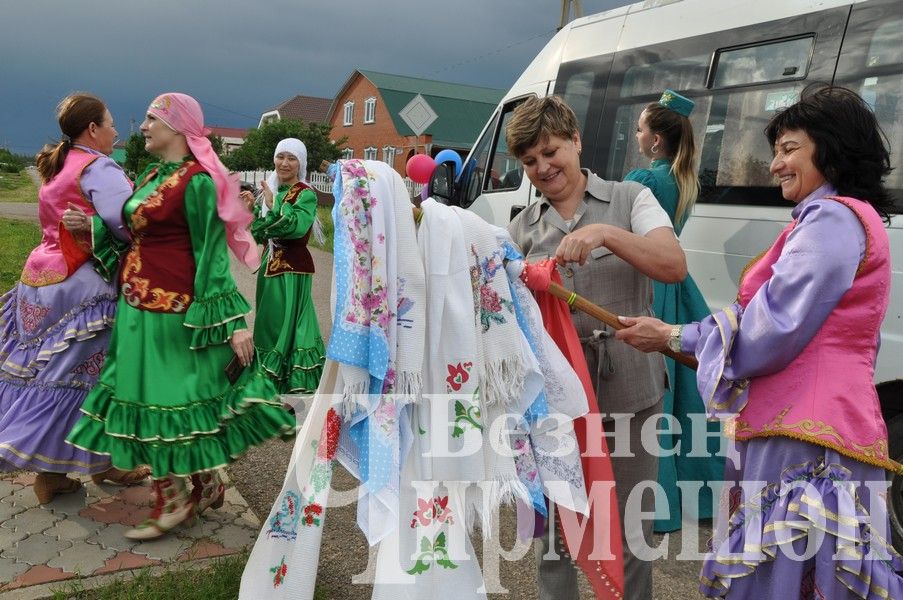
[[55, 323], [790, 366]]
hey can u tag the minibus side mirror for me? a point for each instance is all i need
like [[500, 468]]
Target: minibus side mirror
[[442, 183]]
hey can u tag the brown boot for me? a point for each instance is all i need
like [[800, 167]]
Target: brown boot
[[208, 491], [120, 477], [48, 485], [172, 507]]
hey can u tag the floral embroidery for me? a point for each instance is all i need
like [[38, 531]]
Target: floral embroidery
[[385, 415], [430, 510], [92, 365], [312, 514], [368, 303], [404, 306], [467, 416], [284, 524], [320, 474], [457, 376], [482, 274], [31, 315], [279, 571], [435, 551], [524, 462], [42, 277], [328, 445]]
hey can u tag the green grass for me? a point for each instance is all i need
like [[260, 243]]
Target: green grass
[[325, 214], [218, 582], [17, 238], [17, 187]]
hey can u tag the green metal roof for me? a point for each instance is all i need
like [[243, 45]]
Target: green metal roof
[[119, 155], [462, 109]]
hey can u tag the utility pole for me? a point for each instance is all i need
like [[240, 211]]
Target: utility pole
[[566, 11]]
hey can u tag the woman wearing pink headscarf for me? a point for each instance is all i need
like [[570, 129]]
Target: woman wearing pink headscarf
[[164, 398]]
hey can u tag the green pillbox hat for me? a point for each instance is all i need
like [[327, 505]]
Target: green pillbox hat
[[679, 104]]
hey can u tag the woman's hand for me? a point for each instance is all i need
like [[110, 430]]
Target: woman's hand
[[242, 343], [575, 247], [76, 221], [645, 333], [247, 197], [267, 194]]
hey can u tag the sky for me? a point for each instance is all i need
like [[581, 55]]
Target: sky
[[240, 59]]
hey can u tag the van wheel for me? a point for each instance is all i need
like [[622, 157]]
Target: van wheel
[[895, 500]]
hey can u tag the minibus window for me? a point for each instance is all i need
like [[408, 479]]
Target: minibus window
[[679, 74], [776, 61], [577, 93], [506, 171], [476, 169]]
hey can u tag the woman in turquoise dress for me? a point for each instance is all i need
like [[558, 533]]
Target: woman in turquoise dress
[[163, 397], [665, 136], [286, 332]]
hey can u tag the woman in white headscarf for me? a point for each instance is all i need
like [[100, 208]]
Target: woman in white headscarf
[[286, 332]]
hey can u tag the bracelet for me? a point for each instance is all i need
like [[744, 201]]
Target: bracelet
[[674, 340]]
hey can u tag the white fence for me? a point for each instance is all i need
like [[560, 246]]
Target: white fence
[[319, 181]]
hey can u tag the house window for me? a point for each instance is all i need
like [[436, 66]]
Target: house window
[[369, 110], [389, 154], [349, 113], [370, 153], [348, 153]]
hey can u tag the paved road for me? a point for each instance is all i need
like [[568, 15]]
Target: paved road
[[22, 211], [258, 477]]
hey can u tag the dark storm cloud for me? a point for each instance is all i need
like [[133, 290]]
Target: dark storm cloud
[[240, 58]]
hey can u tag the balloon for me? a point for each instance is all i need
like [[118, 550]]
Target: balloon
[[449, 155], [420, 168]]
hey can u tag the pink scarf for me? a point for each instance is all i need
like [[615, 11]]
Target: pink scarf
[[183, 114]]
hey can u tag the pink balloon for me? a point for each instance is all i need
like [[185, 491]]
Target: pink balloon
[[420, 168]]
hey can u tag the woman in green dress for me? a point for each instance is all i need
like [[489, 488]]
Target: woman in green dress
[[665, 136], [286, 332], [163, 397]]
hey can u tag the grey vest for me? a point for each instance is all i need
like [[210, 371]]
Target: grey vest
[[625, 379]]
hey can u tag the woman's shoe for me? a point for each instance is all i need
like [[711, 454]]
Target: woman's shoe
[[120, 477], [48, 485], [172, 508], [208, 491]]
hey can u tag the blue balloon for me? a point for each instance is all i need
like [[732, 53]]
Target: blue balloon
[[449, 155]]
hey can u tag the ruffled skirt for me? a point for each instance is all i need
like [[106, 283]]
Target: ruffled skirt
[[286, 333], [162, 404], [817, 528], [53, 343]]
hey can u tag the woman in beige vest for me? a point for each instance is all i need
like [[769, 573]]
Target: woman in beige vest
[[614, 238]]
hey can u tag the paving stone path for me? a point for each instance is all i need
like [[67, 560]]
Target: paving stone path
[[81, 534]]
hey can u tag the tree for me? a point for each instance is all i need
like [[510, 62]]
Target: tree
[[9, 162], [217, 143], [136, 157], [257, 151]]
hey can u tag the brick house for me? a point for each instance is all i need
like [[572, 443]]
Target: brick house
[[233, 137], [366, 111], [309, 109]]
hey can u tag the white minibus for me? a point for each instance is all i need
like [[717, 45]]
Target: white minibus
[[740, 61]]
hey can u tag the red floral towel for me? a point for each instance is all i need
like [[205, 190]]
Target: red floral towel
[[606, 576]]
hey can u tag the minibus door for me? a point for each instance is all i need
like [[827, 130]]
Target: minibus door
[[492, 182]]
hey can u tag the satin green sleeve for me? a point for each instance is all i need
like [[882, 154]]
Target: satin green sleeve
[[218, 308], [290, 221], [260, 223], [106, 249]]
